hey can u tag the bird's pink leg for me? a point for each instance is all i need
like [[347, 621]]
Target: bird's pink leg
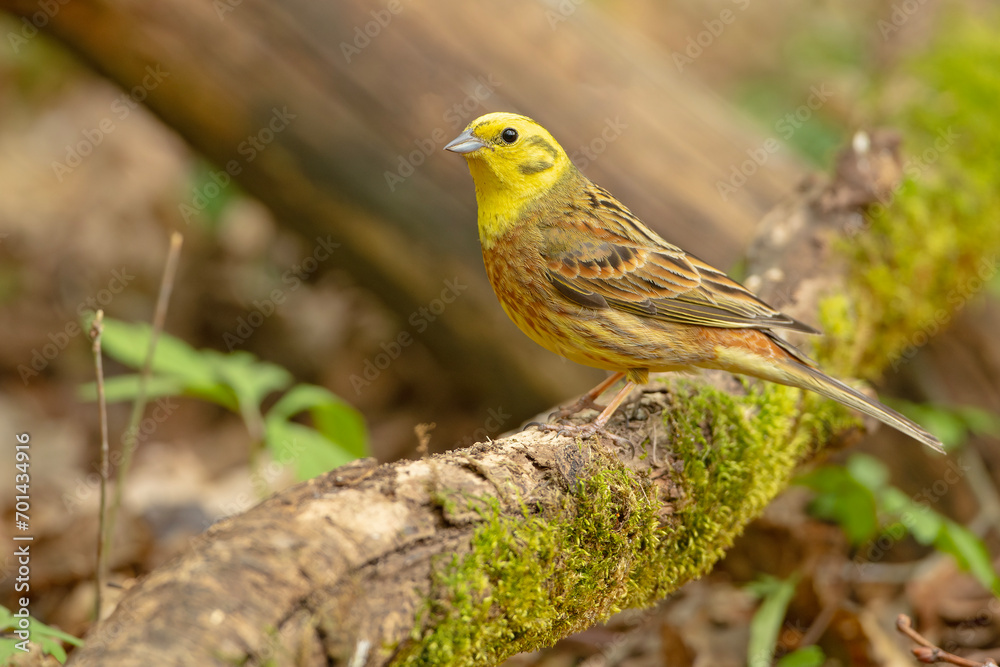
[[589, 399], [602, 419], [587, 430]]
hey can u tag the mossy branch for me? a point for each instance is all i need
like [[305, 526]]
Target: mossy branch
[[469, 556]]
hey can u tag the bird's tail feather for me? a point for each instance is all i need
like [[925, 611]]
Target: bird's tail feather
[[827, 386], [791, 371]]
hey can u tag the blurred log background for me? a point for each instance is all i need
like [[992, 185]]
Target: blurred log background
[[352, 103], [330, 118]]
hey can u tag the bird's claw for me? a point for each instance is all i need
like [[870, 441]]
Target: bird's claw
[[560, 429], [583, 431], [584, 403], [541, 426]]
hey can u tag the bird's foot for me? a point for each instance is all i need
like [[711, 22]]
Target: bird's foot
[[585, 402], [583, 431]]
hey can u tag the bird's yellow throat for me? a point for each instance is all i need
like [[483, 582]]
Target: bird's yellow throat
[[506, 187]]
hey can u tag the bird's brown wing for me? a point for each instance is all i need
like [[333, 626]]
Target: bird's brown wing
[[599, 255]]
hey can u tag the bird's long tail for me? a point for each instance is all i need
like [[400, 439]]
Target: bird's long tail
[[815, 380], [795, 370]]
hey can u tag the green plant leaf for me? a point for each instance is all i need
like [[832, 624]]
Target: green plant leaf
[[178, 368], [300, 398], [969, 552], [241, 382], [922, 522], [304, 447], [50, 639], [335, 419], [808, 656], [250, 378], [869, 471], [951, 424], [843, 499], [125, 388], [770, 616], [342, 424], [129, 343], [893, 501], [979, 421]]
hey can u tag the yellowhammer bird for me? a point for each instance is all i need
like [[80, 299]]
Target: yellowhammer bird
[[584, 278]]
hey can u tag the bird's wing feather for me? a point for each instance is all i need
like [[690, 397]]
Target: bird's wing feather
[[598, 255]]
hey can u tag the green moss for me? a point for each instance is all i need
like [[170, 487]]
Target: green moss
[[530, 579], [835, 350], [930, 250]]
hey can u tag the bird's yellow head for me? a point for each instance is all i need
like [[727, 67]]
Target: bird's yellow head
[[514, 161]]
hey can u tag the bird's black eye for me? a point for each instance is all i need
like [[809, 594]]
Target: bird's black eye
[[509, 135]]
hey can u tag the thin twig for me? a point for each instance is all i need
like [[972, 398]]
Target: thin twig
[[138, 408], [819, 625], [929, 653], [96, 328]]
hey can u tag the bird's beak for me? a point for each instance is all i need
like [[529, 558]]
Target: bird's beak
[[465, 143]]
